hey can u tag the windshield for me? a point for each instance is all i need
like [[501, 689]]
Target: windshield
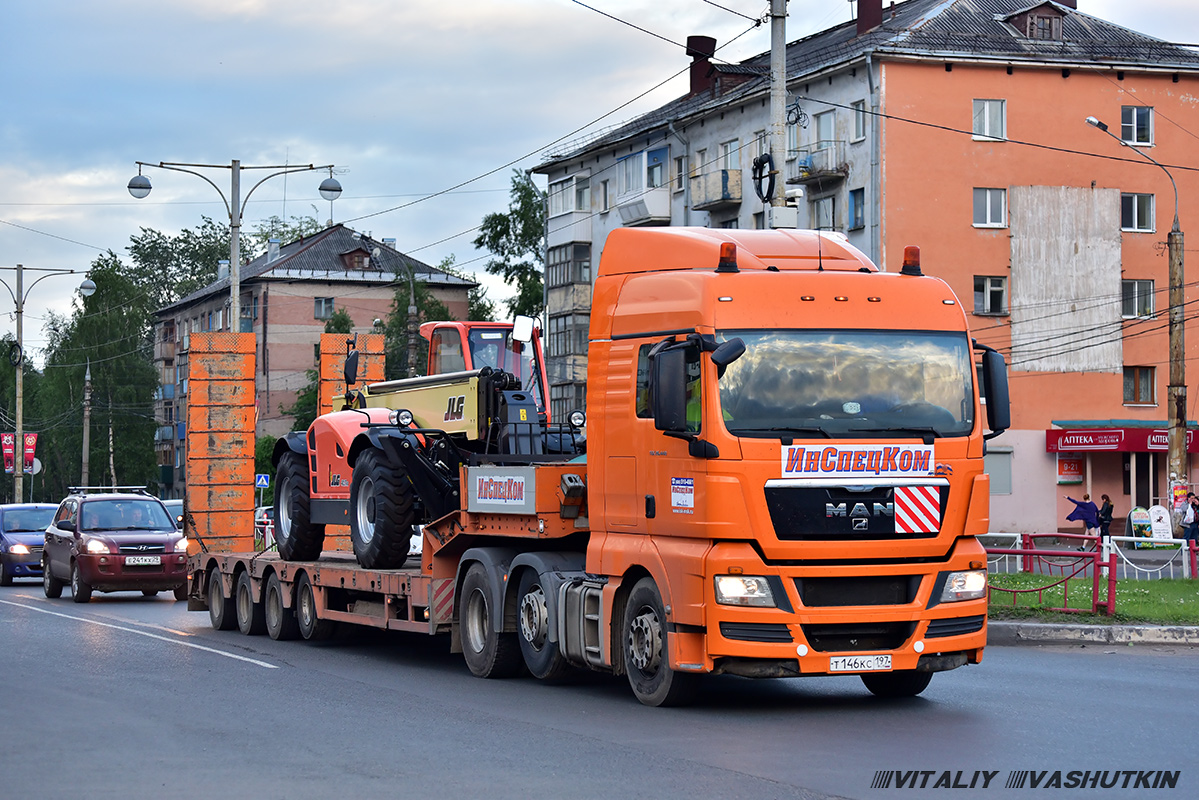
[[28, 520], [849, 383], [498, 350], [131, 515]]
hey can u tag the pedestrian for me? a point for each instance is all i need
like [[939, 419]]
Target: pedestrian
[[1190, 519], [1087, 512], [1105, 517]]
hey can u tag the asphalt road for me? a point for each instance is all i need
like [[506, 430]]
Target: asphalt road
[[128, 697]]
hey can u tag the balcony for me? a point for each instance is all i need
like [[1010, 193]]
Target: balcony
[[651, 207], [821, 166], [717, 190]]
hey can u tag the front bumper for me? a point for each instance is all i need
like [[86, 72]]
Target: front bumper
[[23, 565], [112, 573]]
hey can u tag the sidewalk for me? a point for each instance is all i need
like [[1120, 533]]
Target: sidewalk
[[1009, 632]]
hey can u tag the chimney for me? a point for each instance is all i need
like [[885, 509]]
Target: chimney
[[272, 249], [389, 241], [1069, 3], [701, 48], [870, 15], [222, 269]]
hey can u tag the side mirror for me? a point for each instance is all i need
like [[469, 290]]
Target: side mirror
[[668, 390], [351, 368], [726, 354], [66, 525], [999, 411], [522, 329]]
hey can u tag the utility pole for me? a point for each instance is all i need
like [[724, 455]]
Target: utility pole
[[87, 420], [778, 93]]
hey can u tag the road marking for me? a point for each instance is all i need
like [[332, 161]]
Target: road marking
[[143, 633]]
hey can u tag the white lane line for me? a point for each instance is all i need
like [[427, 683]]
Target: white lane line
[[143, 633]]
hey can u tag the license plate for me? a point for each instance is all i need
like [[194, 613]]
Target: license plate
[[863, 663], [143, 561]]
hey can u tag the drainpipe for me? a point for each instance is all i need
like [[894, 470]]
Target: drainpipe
[[687, 166], [876, 231]]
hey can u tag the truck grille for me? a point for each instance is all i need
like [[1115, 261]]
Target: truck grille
[[880, 590], [837, 513], [756, 631], [856, 638], [955, 626]]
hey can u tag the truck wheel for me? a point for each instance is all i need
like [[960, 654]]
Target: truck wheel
[[298, 538], [221, 612], [280, 621], [646, 660], [51, 585], [381, 512], [542, 657], [181, 591], [251, 616], [488, 654], [81, 590], [905, 683], [312, 627]]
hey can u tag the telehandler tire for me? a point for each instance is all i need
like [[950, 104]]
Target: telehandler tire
[[382, 511], [298, 538]]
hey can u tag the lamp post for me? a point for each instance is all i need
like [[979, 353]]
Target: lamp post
[[17, 358], [1178, 390], [139, 187]]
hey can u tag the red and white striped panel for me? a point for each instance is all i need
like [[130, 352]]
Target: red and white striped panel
[[443, 600], [917, 509]]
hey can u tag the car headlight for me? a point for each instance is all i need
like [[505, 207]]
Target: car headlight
[[970, 585], [19, 549], [95, 546], [181, 545], [743, 590]]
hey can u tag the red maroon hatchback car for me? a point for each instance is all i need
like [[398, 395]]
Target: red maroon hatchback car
[[110, 540]]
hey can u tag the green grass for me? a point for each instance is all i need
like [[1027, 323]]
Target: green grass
[[1168, 601]]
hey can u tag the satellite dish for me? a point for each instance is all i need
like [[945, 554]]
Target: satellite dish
[[375, 253]]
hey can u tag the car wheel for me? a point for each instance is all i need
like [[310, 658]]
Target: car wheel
[[5, 576], [280, 621], [488, 653], [220, 608], [81, 590], [251, 617], [51, 585]]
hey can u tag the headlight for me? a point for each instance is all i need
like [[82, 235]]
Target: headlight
[[965, 586], [743, 590], [19, 549], [401, 417], [181, 545], [95, 546]]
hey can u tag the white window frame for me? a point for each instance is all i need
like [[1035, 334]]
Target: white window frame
[[856, 218], [1130, 125], [989, 120], [323, 304], [559, 194], [993, 209], [1136, 212], [792, 142], [1136, 298], [990, 284], [730, 154], [582, 193], [631, 174], [824, 213], [605, 198], [680, 173], [825, 128], [859, 120]]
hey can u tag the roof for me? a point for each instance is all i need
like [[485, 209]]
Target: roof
[[319, 258], [959, 30]]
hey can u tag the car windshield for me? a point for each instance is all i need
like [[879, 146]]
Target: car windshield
[[124, 515], [849, 384], [28, 520], [498, 350]]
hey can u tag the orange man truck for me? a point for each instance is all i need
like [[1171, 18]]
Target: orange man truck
[[783, 477]]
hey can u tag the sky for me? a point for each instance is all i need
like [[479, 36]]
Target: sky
[[424, 107]]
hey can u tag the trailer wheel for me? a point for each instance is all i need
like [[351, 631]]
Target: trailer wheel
[[312, 627], [381, 512], [488, 653], [646, 659], [542, 657], [221, 612], [905, 683], [280, 621], [251, 616], [298, 538]]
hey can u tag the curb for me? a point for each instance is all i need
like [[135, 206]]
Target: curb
[[1036, 633]]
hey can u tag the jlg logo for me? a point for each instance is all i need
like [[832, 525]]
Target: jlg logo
[[455, 408]]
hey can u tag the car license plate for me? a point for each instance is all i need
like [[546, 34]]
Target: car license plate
[[863, 663], [143, 561]]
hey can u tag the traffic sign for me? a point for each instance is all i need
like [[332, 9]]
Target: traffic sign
[[262, 480]]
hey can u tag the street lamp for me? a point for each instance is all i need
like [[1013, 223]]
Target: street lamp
[[139, 187], [1178, 390], [17, 358]]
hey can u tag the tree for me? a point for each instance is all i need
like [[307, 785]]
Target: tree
[[172, 267], [255, 243], [308, 398], [515, 239], [395, 331]]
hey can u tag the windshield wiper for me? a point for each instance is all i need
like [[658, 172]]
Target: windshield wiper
[[926, 431], [798, 429]]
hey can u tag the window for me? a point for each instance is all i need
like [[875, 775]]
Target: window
[[1136, 212], [701, 162], [824, 129], [568, 334], [1136, 298], [792, 142], [823, 209], [1136, 124], [605, 202], [990, 120], [859, 120], [655, 171], [857, 209], [583, 194], [990, 208], [559, 192], [322, 307], [990, 294], [567, 397], [572, 194], [680, 172], [730, 154], [1044, 27], [631, 173], [1138, 386], [761, 145], [568, 263], [997, 463], [643, 404], [759, 220]]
